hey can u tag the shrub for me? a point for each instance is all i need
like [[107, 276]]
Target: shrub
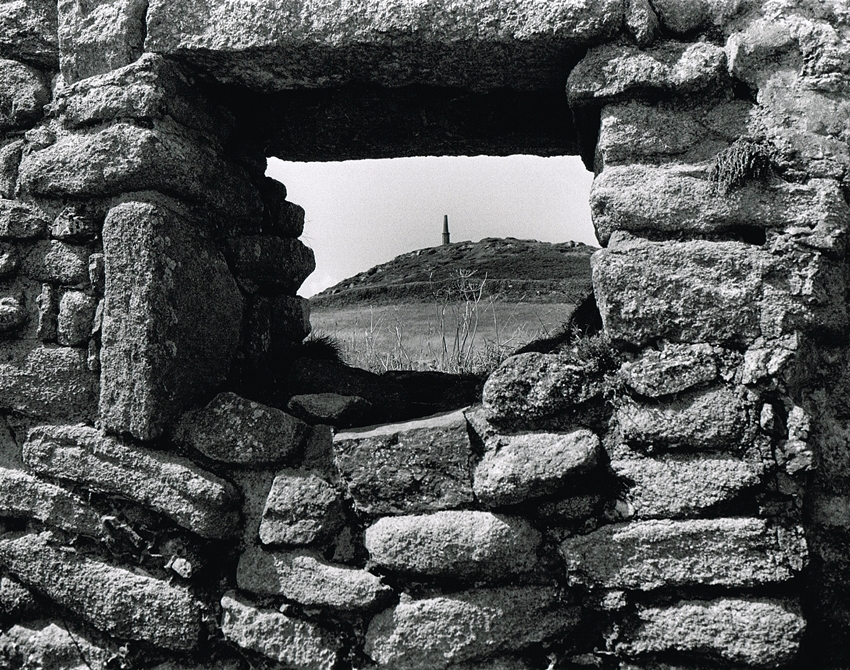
[[320, 346], [744, 160]]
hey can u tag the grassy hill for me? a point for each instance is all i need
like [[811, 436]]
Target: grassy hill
[[459, 307]]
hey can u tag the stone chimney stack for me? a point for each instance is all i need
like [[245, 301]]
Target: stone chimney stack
[[446, 229]]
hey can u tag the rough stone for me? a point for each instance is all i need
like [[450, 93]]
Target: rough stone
[[173, 486], [647, 555], [13, 315], [10, 259], [475, 45], [54, 261], [572, 509], [76, 318], [28, 32], [418, 466], [45, 380], [342, 411], [16, 600], [714, 418], [115, 600], [77, 221], [520, 467], [23, 496], [306, 578], [301, 509], [298, 644], [670, 370], [693, 291], [170, 332], [753, 632], [123, 157], [448, 630], [21, 220], [612, 72], [49, 646], [465, 544], [150, 88], [679, 198], [281, 262], [23, 95], [675, 486], [235, 430], [535, 386], [283, 218], [254, 485], [642, 22], [48, 313], [10, 157], [101, 37]]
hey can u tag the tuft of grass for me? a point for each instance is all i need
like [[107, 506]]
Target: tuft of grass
[[321, 346], [743, 161]]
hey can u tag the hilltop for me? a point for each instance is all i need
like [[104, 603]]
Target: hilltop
[[512, 270]]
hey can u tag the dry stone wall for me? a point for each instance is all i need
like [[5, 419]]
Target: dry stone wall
[[181, 487]]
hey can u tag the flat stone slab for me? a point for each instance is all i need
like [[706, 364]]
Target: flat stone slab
[[417, 466], [462, 544], [23, 496], [646, 555], [306, 578], [520, 467], [301, 508], [116, 601], [235, 430], [676, 486], [709, 419], [173, 486], [671, 370], [448, 630], [298, 644], [750, 631]]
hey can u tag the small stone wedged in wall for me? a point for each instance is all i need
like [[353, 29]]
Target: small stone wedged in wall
[[516, 468], [612, 72], [27, 497], [23, 94], [300, 645], [28, 32], [417, 466], [472, 625], [716, 418], [460, 544], [474, 44], [150, 88], [97, 38], [169, 332], [677, 485], [333, 409], [755, 632], [306, 578], [283, 263], [10, 158], [124, 157], [679, 198], [175, 487], [684, 17], [301, 509], [58, 262], [647, 555], [76, 318], [77, 221], [115, 600], [642, 22], [232, 429], [670, 370], [47, 381], [21, 220]]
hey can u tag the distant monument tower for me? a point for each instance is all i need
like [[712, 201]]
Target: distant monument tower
[[446, 229]]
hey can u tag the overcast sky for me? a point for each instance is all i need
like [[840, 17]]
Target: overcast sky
[[362, 213]]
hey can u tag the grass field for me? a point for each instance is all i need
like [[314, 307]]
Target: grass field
[[460, 337]]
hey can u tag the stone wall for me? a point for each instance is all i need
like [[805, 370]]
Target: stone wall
[[671, 494]]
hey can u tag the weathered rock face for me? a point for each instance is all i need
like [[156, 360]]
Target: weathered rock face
[[153, 366], [301, 509]]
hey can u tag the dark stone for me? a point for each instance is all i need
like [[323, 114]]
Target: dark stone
[[274, 261]]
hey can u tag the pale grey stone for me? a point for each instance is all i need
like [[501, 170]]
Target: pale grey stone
[[516, 468], [115, 600], [483, 545], [16, 600], [10, 259], [13, 315], [21, 220], [77, 221], [28, 32], [10, 157], [301, 509], [298, 644], [647, 555], [23, 94], [642, 22], [76, 317], [48, 313], [235, 430], [54, 261], [447, 630], [416, 466], [173, 486], [670, 370], [306, 578], [52, 646]]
